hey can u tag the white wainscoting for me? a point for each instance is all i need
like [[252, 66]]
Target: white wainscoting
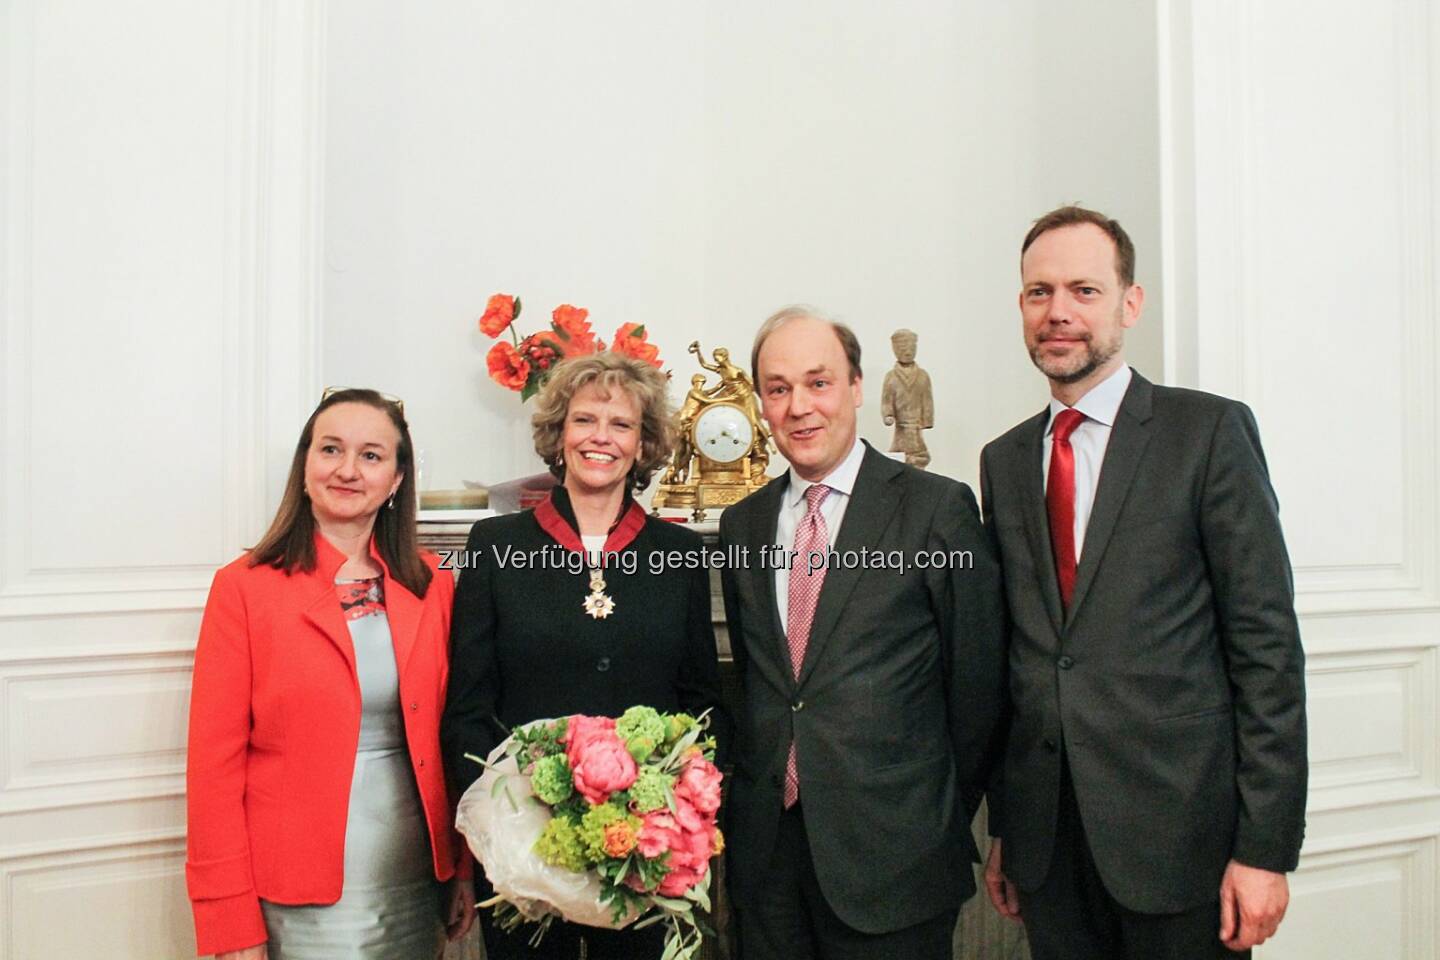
[[1300, 191], [159, 195]]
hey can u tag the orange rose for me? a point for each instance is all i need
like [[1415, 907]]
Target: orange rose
[[507, 367], [499, 313], [620, 838], [630, 341], [717, 843]]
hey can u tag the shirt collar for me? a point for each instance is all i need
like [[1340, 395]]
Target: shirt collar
[[840, 480], [1101, 403]]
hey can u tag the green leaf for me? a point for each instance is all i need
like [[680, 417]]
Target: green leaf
[[638, 332], [699, 895], [532, 387], [517, 308]]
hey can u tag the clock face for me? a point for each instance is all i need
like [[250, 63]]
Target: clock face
[[722, 433]]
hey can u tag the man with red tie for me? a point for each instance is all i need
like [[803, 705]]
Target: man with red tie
[[1152, 796], [872, 692]]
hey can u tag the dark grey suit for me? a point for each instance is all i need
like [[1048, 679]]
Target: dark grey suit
[[896, 711], [1174, 685]]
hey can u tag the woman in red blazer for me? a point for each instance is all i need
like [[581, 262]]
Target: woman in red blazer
[[319, 822]]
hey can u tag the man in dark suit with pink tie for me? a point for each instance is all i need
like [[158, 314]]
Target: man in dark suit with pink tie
[[872, 693]]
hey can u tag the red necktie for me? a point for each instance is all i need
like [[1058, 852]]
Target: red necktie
[[811, 537], [1060, 500]]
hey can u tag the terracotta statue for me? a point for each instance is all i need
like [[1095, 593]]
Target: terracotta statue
[[906, 401]]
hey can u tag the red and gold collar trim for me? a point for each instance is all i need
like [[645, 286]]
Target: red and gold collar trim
[[622, 534]]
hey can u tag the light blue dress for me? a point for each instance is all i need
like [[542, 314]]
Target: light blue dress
[[390, 906]]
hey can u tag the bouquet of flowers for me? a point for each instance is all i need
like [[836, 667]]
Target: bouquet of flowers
[[602, 821], [524, 363]]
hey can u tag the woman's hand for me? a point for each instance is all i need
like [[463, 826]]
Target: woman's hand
[[257, 952], [460, 909]]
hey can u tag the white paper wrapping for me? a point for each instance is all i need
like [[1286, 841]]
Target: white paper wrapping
[[501, 835]]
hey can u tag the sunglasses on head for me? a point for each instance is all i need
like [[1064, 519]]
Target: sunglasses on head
[[388, 398]]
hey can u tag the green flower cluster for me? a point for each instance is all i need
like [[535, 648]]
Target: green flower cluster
[[642, 729], [551, 779], [591, 831], [651, 790], [560, 845], [680, 724]]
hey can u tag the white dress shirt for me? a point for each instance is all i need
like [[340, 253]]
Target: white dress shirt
[[841, 482], [1100, 406]]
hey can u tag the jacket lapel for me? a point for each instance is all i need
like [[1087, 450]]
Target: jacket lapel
[[1128, 439], [878, 492], [403, 610], [762, 536], [1030, 469], [324, 612]]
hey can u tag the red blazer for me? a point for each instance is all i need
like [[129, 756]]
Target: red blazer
[[274, 726]]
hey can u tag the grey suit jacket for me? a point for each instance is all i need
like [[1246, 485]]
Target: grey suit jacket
[[896, 711], [1174, 684]]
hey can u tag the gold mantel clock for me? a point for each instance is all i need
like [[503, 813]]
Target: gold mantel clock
[[723, 446]]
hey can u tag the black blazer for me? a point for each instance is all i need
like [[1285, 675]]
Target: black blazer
[[895, 715], [1175, 683], [521, 647]]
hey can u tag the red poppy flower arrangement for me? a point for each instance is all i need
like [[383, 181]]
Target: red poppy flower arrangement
[[523, 363]]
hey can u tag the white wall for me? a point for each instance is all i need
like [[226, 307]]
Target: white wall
[[696, 166], [1302, 204], [157, 262]]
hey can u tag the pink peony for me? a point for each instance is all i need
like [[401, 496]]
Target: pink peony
[[689, 819], [688, 862], [688, 836], [658, 833], [677, 881], [699, 783], [581, 728], [599, 761]]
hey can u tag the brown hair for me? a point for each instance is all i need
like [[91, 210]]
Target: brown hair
[[1069, 216], [289, 544], [610, 371], [848, 341]]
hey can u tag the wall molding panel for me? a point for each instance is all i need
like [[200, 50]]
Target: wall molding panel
[[1384, 758], [160, 292], [1246, 173], [1375, 899], [1301, 210], [39, 897], [131, 744], [243, 135]]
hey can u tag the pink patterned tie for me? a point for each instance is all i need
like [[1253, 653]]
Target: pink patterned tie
[[811, 540]]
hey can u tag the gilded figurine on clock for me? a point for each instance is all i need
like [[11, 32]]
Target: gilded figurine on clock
[[723, 449]]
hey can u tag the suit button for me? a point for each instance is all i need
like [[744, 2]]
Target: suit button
[[602, 664], [1065, 663], [797, 706], [1050, 745], [414, 705], [422, 763]]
